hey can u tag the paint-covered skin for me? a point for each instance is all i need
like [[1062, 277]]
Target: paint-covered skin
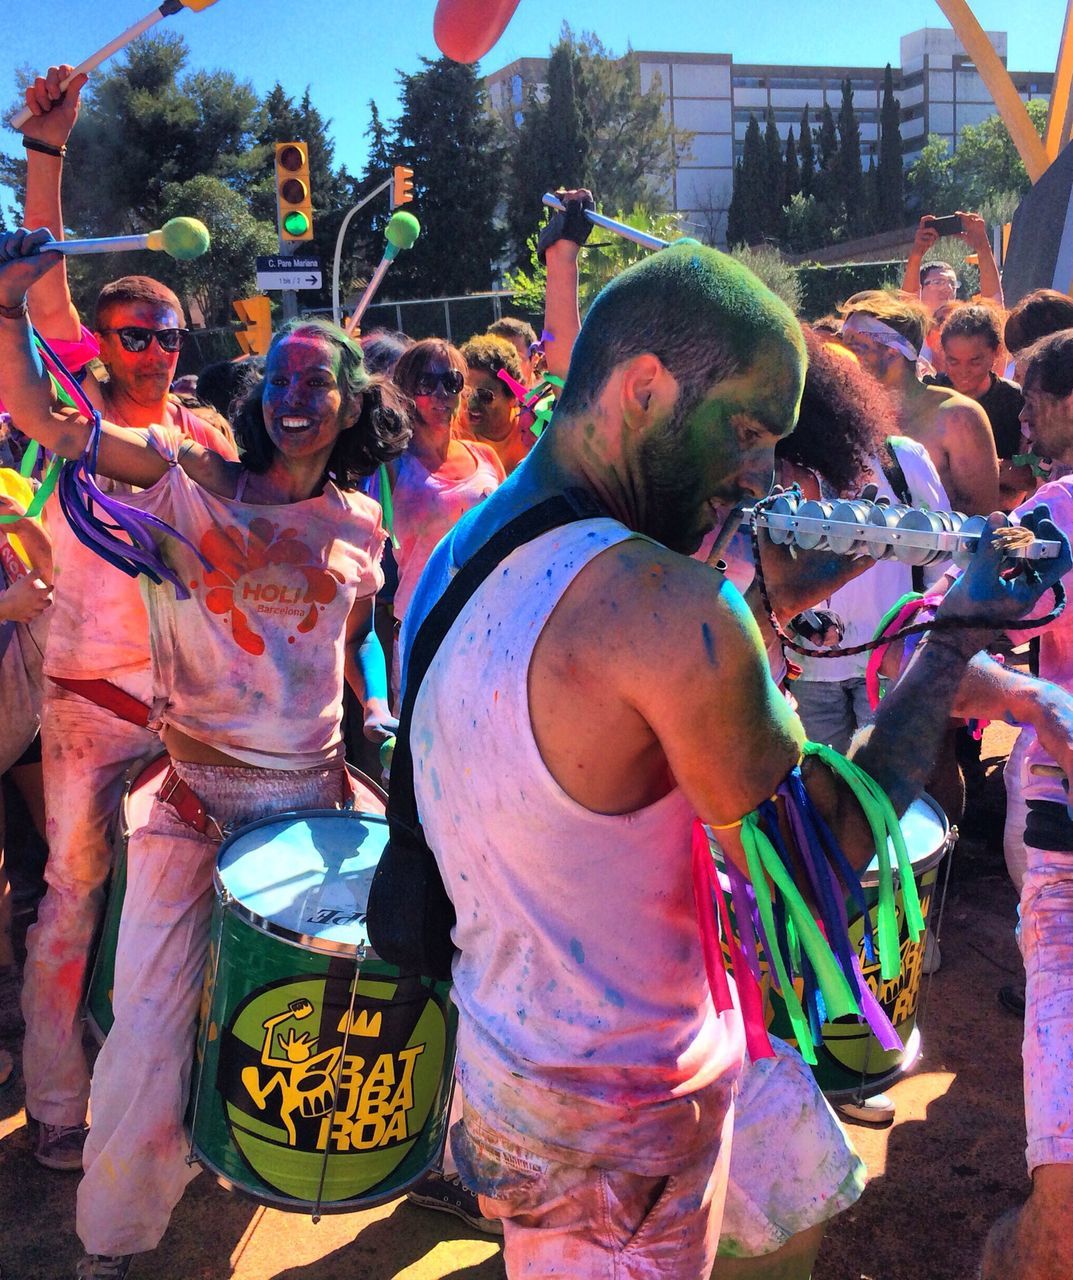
[[139, 376], [303, 403]]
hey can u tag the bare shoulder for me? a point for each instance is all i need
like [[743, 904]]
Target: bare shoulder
[[958, 413], [654, 609]]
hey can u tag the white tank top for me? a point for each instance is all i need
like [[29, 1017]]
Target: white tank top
[[587, 1027]]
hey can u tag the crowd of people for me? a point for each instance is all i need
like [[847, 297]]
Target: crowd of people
[[608, 1121]]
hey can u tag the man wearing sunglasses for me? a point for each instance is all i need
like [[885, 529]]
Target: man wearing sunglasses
[[97, 658]]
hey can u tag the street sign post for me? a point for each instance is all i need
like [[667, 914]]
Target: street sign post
[[283, 272]]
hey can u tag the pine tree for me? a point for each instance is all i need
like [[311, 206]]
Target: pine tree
[[850, 175], [745, 219], [890, 194], [828, 140], [806, 155], [454, 146], [791, 171], [773, 176], [551, 146]]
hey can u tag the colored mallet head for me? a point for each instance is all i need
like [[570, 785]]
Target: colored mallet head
[[181, 238], [402, 230]]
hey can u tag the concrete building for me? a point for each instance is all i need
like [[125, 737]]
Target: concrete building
[[712, 97]]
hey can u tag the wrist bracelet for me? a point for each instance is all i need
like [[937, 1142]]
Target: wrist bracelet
[[46, 148], [18, 312]]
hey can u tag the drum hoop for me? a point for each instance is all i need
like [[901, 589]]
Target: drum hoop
[[927, 861], [304, 941]]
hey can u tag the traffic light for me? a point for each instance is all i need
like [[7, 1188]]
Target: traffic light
[[256, 315], [402, 185], [293, 201]]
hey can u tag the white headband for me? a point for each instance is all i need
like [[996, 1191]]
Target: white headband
[[862, 322]]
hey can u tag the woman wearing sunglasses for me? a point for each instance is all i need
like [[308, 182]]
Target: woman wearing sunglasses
[[277, 564], [442, 474]]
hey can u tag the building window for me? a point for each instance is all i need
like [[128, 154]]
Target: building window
[[750, 82]]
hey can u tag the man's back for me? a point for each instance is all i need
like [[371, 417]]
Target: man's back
[[957, 435]]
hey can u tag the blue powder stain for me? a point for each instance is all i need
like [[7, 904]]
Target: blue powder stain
[[614, 997], [709, 643], [434, 778], [521, 1015], [577, 951]]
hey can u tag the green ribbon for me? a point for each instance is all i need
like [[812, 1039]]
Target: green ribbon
[[29, 460], [884, 825], [386, 504]]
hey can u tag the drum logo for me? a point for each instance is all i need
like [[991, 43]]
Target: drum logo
[[325, 1074]]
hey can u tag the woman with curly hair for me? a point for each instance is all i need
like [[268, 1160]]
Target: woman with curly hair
[[276, 561]]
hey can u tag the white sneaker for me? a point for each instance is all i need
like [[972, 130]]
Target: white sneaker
[[877, 1110]]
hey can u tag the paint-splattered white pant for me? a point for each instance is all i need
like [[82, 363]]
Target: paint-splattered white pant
[[86, 754], [1046, 935], [135, 1156], [588, 1223]]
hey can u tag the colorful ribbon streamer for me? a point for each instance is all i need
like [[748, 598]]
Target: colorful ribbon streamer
[[810, 957]]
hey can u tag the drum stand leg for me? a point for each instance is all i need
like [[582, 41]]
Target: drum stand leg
[[335, 1095], [938, 924], [202, 1046]]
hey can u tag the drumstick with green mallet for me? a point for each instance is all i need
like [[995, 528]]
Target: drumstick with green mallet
[[401, 231], [180, 238]]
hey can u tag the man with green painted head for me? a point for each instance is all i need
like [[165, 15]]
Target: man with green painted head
[[628, 686]]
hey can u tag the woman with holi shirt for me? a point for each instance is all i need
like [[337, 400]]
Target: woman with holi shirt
[[441, 475], [278, 561]]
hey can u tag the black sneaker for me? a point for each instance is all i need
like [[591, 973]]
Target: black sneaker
[[101, 1266], [445, 1192]]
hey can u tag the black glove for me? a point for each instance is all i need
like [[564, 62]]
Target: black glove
[[571, 224]]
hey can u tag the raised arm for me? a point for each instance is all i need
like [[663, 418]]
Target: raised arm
[[558, 248], [974, 233], [26, 391], [54, 115], [925, 237]]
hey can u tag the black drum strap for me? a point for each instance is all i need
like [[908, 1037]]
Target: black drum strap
[[410, 916]]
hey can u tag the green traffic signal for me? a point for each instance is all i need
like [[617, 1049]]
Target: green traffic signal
[[295, 224]]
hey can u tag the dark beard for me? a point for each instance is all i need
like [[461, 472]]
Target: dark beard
[[672, 500]]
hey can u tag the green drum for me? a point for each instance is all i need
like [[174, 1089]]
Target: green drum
[[143, 782], [323, 1076], [850, 1062]]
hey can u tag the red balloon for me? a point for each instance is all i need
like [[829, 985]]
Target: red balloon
[[466, 29]]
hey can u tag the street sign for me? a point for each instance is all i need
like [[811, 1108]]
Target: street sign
[[280, 272]]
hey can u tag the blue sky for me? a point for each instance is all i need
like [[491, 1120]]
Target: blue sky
[[348, 51]]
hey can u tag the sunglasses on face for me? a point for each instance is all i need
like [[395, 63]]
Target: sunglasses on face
[[450, 379], [133, 337], [484, 394]]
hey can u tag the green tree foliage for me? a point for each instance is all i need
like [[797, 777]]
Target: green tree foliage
[[791, 172], [226, 273], [773, 176], [454, 146], [851, 192], [634, 145], [985, 165], [595, 128], [599, 262], [806, 154], [550, 148], [890, 196], [747, 213], [765, 262]]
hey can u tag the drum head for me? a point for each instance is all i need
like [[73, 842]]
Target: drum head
[[926, 833], [305, 877]]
